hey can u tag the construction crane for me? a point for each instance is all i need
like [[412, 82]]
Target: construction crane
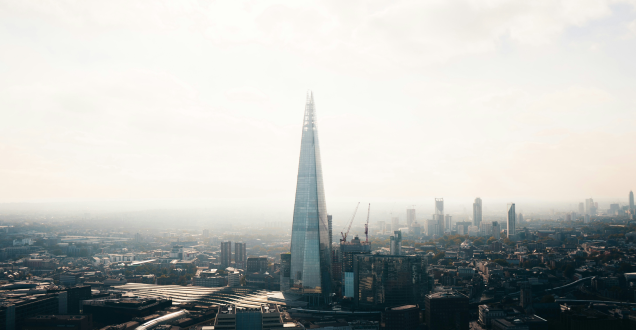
[[366, 225], [344, 235]]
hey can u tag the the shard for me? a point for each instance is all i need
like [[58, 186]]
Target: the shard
[[310, 245]]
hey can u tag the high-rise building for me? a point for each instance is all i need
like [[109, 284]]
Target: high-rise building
[[310, 245], [285, 271], [385, 281], [257, 264], [448, 219], [496, 229], [226, 254], [631, 200], [439, 215], [520, 218], [432, 227], [590, 206], [477, 217], [348, 250], [396, 243], [447, 310], [586, 218], [330, 220], [525, 297], [512, 220], [581, 208], [240, 255], [439, 206], [410, 217], [206, 233]]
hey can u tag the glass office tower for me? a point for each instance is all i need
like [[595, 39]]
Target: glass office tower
[[512, 221], [310, 245]]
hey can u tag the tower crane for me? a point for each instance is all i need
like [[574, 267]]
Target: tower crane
[[366, 225], [344, 235]]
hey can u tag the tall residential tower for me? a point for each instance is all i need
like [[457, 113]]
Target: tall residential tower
[[477, 212], [310, 245], [512, 220]]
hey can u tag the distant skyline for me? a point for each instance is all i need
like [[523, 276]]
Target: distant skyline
[[200, 102]]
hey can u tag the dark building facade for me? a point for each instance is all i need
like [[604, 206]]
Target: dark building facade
[[123, 310], [240, 255], [447, 310], [73, 297], [55, 322], [14, 312], [226, 254], [389, 281], [401, 318], [257, 264]]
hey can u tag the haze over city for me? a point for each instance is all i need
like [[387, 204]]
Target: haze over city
[[198, 104], [330, 165]]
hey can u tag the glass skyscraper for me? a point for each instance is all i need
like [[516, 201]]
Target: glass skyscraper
[[477, 207], [512, 221], [310, 245]]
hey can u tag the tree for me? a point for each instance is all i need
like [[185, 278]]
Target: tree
[[501, 262]]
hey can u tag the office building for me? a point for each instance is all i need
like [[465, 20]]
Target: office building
[[57, 322], [226, 254], [581, 208], [389, 281], [15, 311], [448, 220], [477, 211], [590, 206], [285, 272], [240, 255], [462, 227], [266, 317], [330, 220], [439, 215], [405, 317], [348, 250], [257, 264], [396, 243], [310, 245], [206, 233], [447, 310], [496, 229], [529, 322], [586, 218], [631, 200], [512, 221], [116, 311], [410, 217], [71, 298], [432, 227]]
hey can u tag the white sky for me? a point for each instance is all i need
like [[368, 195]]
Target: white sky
[[125, 100]]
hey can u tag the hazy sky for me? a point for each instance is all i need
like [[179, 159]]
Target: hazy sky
[[415, 99]]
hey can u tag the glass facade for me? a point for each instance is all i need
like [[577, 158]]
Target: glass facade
[[512, 221], [310, 245], [387, 281]]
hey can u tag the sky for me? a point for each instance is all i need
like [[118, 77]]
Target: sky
[[203, 100]]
